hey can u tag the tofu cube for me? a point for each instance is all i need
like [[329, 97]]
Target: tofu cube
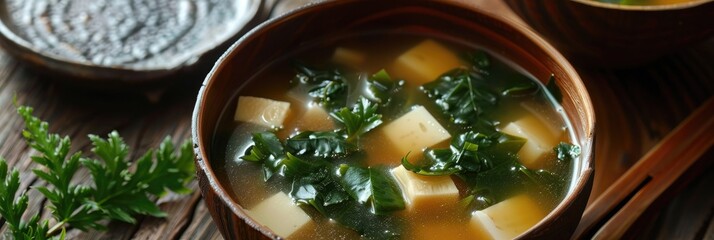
[[348, 57], [261, 111], [540, 141], [414, 131], [280, 215], [424, 63], [507, 219], [424, 193]]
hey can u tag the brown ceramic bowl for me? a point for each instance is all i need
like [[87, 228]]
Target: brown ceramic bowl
[[274, 38], [613, 35], [117, 44]]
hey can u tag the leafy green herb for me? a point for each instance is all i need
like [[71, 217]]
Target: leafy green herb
[[386, 195], [552, 87], [117, 192], [308, 160], [381, 87], [295, 166], [318, 188], [12, 209], [330, 144], [470, 152], [356, 181], [360, 120], [459, 95], [567, 152], [328, 87], [331, 94], [265, 146], [268, 149], [372, 184]]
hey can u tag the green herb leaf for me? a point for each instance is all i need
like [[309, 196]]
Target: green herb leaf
[[439, 162], [265, 146], [381, 87], [12, 209], [567, 152], [360, 120], [320, 144], [295, 166], [469, 151], [117, 192], [356, 181], [386, 195], [460, 96], [329, 87], [121, 194], [330, 94], [318, 189]]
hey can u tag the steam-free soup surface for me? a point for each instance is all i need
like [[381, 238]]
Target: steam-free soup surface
[[479, 143]]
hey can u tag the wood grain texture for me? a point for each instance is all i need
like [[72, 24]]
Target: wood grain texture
[[613, 212], [635, 109], [615, 35]]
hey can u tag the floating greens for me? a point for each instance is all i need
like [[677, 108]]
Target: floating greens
[[325, 171]]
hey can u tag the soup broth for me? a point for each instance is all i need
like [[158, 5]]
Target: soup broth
[[406, 136]]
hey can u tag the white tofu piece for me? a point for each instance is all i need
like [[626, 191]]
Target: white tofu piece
[[507, 219], [315, 118], [280, 215], [486, 229], [414, 131], [424, 63], [425, 193], [348, 57], [540, 141], [261, 111]]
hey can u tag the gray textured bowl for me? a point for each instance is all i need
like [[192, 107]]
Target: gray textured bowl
[[117, 43]]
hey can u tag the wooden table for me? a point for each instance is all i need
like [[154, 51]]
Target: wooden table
[[635, 108]]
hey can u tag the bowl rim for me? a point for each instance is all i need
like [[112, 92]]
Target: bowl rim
[[249, 11], [586, 143], [663, 7]]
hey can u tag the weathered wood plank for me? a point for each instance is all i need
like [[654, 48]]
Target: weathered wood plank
[[79, 112], [635, 109], [202, 226]]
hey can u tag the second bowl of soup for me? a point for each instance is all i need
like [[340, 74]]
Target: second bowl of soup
[[409, 120]]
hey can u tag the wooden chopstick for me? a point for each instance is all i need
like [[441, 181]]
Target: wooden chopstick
[[625, 200]]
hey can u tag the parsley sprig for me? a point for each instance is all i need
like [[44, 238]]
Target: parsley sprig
[[117, 192]]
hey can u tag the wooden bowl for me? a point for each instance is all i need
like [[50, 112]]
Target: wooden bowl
[[613, 35], [116, 43], [274, 38]]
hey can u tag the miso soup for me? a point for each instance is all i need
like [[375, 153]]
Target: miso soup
[[386, 135]]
